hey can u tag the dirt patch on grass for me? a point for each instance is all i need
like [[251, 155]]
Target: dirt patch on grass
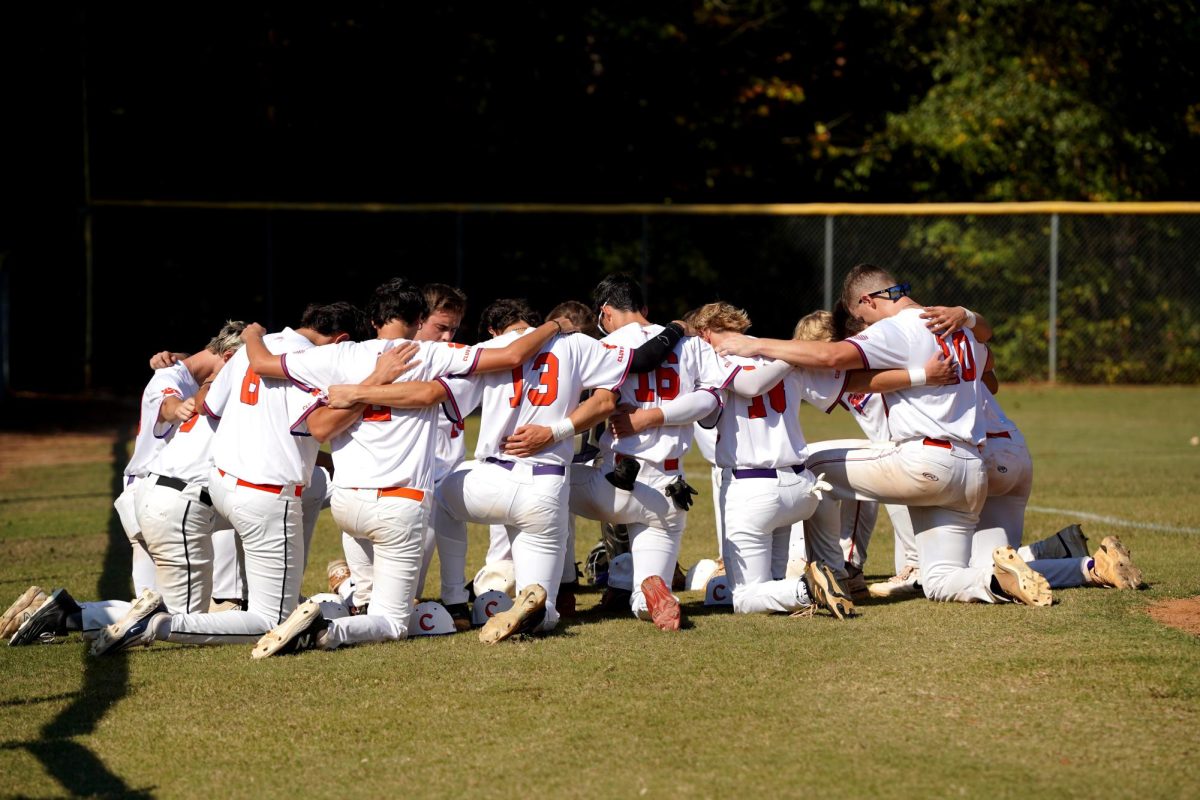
[[1181, 614], [52, 449]]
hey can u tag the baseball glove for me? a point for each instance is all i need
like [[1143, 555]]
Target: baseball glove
[[681, 493]]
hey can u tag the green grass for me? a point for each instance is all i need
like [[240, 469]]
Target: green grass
[[1090, 697]]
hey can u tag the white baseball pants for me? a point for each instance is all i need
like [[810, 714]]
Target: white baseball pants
[[655, 523], [944, 485], [756, 513], [271, 527], [535, 507], [177, 526], [142, 572], [1002, 520], [395, 528], [229, 580]]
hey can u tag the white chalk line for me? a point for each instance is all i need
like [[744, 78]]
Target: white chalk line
[[1123, 523]]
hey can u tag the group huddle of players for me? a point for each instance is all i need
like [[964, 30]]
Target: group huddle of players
[[590, 414]]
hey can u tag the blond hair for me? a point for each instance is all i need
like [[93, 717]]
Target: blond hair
[[816, 327], [228, 339], [720, 317]]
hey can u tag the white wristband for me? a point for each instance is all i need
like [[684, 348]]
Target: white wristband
[[916, 376], [563, 429], [970, 323]]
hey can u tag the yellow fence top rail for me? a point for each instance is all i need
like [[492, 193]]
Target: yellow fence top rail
[[715, 209]]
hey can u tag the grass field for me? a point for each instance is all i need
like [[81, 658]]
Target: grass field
[[1088, 698]]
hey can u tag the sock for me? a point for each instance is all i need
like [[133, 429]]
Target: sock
[[1087, 565]]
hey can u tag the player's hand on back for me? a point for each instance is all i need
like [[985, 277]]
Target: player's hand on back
[[565, 325], [941, 371], [528, 440], [394, 363], [162, 359], [254, 330], [688, 330], [185, 410], [342, 396], [944, 320]]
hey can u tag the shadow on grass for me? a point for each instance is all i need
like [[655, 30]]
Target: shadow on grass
[[105, 681]]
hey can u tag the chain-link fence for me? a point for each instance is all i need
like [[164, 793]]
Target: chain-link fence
[[1085, 298]]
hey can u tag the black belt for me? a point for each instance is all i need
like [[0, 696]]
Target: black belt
[[179, 485], [766, 472], [539, 469]]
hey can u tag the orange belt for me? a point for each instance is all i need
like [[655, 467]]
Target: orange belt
[[402, 491], [1000, 435], [670, 465], [937, 443], [262, 487]]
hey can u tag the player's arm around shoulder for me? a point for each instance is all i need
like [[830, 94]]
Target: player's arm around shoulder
[[821, 355], [262, 361], [521, 349], [937, 371]]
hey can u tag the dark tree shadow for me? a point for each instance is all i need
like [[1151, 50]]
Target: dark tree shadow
[[105, 680]]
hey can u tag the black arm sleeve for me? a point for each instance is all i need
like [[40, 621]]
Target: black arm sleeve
[[650, 355]]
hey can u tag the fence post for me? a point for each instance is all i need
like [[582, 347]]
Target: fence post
[[828, 263], [1053, 297]]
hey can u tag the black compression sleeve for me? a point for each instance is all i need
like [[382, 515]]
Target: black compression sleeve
[[650, 355]]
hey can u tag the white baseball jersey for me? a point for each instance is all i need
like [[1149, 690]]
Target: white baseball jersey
[[451, 446], [254, 441], [188, 456], [173, 381], [764, 431], [994, 415], [388, 447], [870, 413], [687, 368], [938, 412], [542, 391]]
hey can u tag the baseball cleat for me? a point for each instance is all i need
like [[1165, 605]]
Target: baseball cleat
[[526, 615], [133, 629], [48, 621], [338, 572], [906, 584], [1067, 543], [1018, 581], [825, 592], [24, 607], [460, 613], [663, 606], [566, 602], [300, 631], [615, 601], [679, 578], [1113, 566], [855, 584]]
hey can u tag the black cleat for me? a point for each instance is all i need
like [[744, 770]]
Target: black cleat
[[49, 621]]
